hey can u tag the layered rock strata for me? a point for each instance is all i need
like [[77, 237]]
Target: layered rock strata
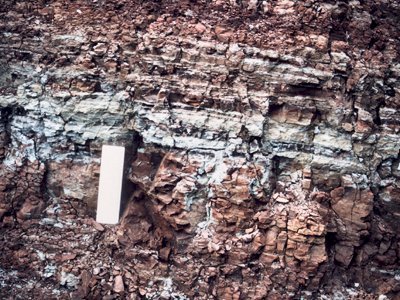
[[263, 139]]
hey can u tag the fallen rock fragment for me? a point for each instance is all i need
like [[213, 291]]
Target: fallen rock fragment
[[118, 284]]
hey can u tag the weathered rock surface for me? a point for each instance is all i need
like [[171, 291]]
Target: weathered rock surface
[[263, 148]]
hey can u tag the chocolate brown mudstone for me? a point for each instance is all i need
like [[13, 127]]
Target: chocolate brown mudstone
[[262, 143]]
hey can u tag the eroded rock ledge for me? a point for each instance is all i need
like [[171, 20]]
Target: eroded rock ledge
[[263, 141]]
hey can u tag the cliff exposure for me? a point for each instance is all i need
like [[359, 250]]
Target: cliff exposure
[[262, 143]]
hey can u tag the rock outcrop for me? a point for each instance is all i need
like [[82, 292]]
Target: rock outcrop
[[262, 146]]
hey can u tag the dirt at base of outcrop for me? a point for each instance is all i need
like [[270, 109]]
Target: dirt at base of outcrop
[[67, 255]]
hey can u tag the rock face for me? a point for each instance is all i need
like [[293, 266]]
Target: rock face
[[262, 137]]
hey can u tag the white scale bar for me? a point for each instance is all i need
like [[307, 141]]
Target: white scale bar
[[110, 186]]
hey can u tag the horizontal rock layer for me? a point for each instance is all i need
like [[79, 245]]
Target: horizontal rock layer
[[263, 139]]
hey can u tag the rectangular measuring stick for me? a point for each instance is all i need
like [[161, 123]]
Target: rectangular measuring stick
[[110, 185]]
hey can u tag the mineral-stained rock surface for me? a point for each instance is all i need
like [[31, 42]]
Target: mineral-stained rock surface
[[262, 138]]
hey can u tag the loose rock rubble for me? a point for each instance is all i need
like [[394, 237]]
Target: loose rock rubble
[[262, 144]]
